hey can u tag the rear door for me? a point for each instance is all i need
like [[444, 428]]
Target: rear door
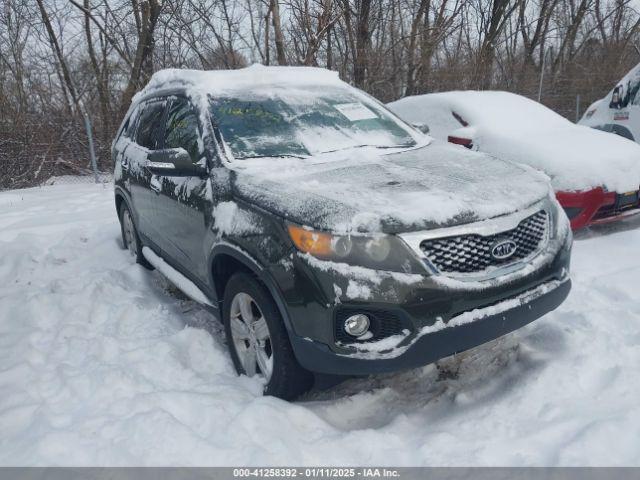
[[183, 210], [144, 186], [124, 140]]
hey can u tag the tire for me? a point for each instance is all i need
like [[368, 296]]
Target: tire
[[248, 340], [130, 238]]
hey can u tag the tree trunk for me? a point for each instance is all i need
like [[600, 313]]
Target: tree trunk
[[55, 46], [411, 49], [277, 30], [363, 40], [103, 96], [142, 63], [500, 12]]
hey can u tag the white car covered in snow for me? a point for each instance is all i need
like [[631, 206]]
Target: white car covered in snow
[[596, 175]]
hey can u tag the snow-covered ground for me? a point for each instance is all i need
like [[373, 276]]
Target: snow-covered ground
[[104, 363]]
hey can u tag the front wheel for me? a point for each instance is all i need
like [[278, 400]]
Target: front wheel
[[258, 341]]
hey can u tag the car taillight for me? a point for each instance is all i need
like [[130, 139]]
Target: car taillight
[[465, 142]]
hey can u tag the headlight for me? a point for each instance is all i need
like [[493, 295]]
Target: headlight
[[381, 252]]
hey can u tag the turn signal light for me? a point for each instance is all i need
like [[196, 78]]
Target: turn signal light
[[310, 241]]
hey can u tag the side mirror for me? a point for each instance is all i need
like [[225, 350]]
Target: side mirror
[[423, 127], [174, 162]]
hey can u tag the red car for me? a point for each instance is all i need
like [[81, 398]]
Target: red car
[[596, 175]]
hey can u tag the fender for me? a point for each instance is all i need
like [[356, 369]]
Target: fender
[[122, 192], [119, 191], [225, 248]]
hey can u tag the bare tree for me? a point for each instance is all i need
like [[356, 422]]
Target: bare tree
[[363, 41], [96, 54]]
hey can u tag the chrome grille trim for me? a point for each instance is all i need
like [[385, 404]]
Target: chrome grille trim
[[491, 228], [472, 253]]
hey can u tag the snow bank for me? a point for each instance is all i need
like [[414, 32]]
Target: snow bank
[[515, 128], [102, 364]]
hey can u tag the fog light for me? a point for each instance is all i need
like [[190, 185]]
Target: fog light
[[356, 325]]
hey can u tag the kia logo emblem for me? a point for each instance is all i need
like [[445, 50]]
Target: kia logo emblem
[[503, 249]]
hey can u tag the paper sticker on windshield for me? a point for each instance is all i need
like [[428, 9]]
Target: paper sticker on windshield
[[355, 111]]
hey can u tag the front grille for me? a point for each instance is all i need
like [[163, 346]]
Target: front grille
[[384, 323], [472, 253]]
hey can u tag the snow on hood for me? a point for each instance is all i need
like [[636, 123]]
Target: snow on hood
[[515, 128], [428, 187]]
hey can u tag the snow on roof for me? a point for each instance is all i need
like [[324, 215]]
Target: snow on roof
[[516, 128], [254, 77]]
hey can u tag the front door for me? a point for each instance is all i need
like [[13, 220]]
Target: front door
[[143, 185], [183, 210]]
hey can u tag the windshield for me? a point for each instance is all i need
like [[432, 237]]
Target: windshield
[[301, 123]]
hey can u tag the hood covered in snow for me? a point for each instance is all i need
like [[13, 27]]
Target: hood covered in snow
[[515, 128], [433, 186]]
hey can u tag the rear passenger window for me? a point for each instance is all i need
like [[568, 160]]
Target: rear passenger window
[[182, 128], [150, 125], [130, 128]]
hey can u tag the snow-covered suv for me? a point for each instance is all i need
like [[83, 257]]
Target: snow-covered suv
[[327, 234]]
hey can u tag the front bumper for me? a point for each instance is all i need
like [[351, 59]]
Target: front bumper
[[593, 207], [315, 294], [491, 323]]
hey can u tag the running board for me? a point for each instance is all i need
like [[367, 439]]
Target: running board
[[183, 283]]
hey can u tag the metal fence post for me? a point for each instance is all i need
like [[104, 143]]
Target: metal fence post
[[544, 56], [92, 152], [577, 108], [548, 51]]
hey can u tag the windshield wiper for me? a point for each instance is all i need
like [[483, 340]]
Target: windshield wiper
[[367, 145], [285, 155]]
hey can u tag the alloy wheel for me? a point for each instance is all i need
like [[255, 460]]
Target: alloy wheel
[[251, 337], [129, 233]]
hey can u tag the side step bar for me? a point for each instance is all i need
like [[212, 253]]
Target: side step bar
[[183, 283]]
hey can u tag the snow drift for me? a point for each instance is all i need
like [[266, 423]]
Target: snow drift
[[104, 363]]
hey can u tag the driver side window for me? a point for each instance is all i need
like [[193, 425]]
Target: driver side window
[[182, 128], [150, 124]]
